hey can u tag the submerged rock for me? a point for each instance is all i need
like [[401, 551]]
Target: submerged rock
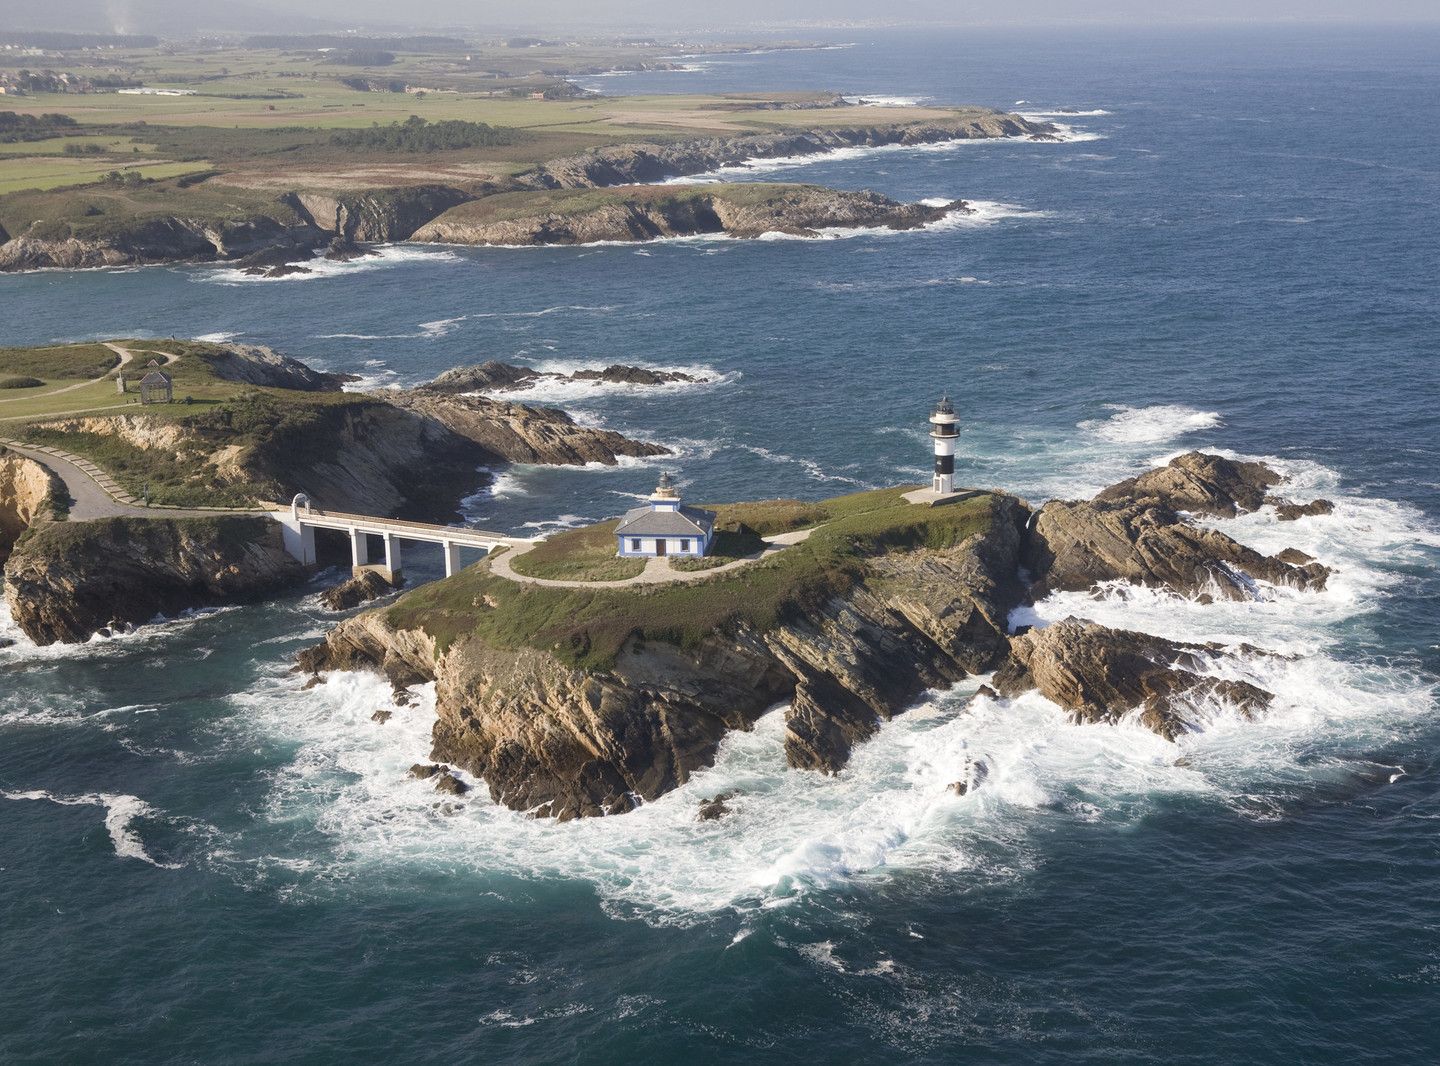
[[713, 809], [1102, 674], [1289, 512]]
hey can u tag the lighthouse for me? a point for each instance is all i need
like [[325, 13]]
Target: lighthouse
[[944, 428]]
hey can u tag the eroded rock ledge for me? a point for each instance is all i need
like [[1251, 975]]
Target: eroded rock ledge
[[553, 736]]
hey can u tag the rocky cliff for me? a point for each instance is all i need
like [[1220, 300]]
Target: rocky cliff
[[28, 495], [642, 213], [376, 216], [509, 432], [174, 239], [626, 164], [67, 580], [911, 598]]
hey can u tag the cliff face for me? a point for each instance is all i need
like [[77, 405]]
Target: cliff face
[[641, 215], [27, 495], [626, 164], [380, 216], [519, 433], [154, 240], [67, 580]]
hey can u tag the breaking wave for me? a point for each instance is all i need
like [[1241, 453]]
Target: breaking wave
[[1150, 425], [385, 257], [121, 813]]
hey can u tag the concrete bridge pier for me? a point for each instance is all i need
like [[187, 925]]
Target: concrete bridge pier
[[452, 558], [359, 550], [393, 571]]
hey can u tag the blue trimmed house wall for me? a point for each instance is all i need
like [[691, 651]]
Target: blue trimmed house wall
[[699, 545]]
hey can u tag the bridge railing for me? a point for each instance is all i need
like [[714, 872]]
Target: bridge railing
[[428, 529]]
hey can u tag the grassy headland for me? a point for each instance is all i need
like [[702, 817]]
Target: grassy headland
[[588, 627]]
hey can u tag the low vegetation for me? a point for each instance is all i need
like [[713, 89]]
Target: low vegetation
[[20, 383], [578, 555], [587, 628], [417, 135], [69, 361]]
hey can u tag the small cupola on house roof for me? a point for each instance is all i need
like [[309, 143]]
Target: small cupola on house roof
[[666, 496]]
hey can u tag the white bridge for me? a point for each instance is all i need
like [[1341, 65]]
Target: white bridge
[[302, 520]]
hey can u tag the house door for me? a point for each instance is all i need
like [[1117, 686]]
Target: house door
[[660, 546]]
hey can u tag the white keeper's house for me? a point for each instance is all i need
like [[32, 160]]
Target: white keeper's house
[[665, 526]]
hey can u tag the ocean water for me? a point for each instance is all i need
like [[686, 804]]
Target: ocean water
[[1234, 250]]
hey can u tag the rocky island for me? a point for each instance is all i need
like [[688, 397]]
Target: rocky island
[[571, 701]]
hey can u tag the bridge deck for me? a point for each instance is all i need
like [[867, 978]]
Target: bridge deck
[[425, 531]]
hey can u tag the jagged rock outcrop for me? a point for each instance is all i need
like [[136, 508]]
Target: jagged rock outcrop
[[364, 587], [1134, 532], [626, 164], [646, 213], [28, 496], [67, 580], [1074, 546], [1101, 674], [1201, 484], [153, 240], [255, 364], [495, 376], [519, 433], [557, 740], [1287, 511]]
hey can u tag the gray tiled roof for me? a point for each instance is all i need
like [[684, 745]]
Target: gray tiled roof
[[686, 522]]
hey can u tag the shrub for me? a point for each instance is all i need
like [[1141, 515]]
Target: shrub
[[20, 383]]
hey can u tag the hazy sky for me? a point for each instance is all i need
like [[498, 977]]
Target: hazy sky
[[156, 16]]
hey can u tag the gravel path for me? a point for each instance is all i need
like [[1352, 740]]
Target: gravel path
[[657, 570]]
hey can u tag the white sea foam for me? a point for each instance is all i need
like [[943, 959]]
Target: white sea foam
[[1038, 116], [386, 256], [569, 392], [1150, 425], [868, 100], [121, 811], [1066, 134], [217, 338]]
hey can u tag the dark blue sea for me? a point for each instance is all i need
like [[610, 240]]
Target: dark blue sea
[[1234, 249]]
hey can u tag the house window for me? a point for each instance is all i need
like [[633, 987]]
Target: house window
[[634, 544], [685, 545]]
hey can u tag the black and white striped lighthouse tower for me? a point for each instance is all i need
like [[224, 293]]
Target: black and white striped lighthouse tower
[[944, 428]]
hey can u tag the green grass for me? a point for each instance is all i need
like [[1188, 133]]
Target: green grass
[[587, 628], [728, 546], [578, 555], [58, 172], [173, 479], [70, 361]]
